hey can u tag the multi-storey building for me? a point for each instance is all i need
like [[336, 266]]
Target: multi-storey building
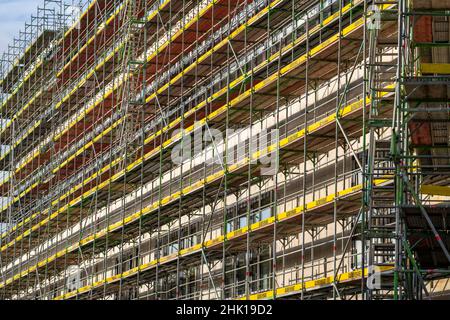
[[227, 149]]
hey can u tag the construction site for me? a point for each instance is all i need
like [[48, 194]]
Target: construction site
[[226, 149]]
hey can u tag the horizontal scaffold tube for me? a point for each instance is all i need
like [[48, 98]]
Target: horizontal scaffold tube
[[312, 285], [58, 44], [118, 84], [174, 123], [349, 109], [220, 240], [199, 185], [68, 93], [101, 28]]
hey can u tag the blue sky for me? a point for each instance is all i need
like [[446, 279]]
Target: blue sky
[[13, 15]]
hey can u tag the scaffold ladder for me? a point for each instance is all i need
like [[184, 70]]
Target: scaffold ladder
[[134, 99], [381, 219]]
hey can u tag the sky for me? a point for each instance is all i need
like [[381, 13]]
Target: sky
[[13, 15]]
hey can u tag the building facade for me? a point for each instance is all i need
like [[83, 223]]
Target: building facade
[[227, 149]]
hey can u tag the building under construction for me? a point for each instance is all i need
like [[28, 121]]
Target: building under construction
[[227, 149]]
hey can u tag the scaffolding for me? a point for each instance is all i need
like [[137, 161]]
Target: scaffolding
[[226, 149]]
